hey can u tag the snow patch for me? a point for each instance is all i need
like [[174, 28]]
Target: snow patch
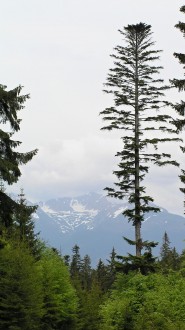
[[78, 207], [47, 209], [119, 211], [35, 216]]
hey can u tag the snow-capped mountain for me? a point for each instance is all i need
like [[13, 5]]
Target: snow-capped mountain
[[83, 212], [96, 224], [70, 214]]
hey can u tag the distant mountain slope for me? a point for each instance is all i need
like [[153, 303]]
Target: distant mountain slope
[[96, 224]]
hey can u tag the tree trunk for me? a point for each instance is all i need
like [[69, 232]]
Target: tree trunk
[[137, 193]]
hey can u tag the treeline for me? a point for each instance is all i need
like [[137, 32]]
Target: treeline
[[40, 289], [112, 298], [35, 286]]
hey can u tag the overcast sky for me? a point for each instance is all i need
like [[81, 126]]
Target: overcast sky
[[59, 51]]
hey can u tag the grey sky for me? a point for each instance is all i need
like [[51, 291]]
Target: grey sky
[[59, 51]]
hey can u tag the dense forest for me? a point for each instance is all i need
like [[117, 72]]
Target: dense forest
[[42, 289]]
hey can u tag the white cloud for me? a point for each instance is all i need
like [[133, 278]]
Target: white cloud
[[59, 50], [69, 167]]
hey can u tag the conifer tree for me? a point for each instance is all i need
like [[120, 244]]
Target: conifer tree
[[75, 262], [111, 267], [59, 296], [180, 85], [175, 259], [24, 224], [138, 97], [102, 276], [11, 102], [145, 263], [170, 259], [86, 273], [21, 298], [165, 248]]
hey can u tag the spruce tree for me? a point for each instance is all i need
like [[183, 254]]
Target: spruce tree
[[170, 259], [111, 267], [180, 85], [165, 248], [102, 276], [75, 266], [24, 224], [86, 273], [11, 102], [138, 97]]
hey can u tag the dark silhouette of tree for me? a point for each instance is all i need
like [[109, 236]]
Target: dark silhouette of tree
[[169, 258], [180, 106], [138, 99], [86, 273], [11, 102], [24, 224]]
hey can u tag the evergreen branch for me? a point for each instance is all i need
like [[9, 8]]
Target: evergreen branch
[[172, 162], [179, 84]]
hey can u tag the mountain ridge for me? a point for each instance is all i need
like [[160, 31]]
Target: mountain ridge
[[96, 224]]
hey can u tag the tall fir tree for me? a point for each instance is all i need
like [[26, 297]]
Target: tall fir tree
[[138, 97], [180, 106], [11, 102]]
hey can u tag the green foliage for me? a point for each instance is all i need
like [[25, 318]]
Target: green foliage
[[89, 304], [145, 302], [34, 294], [102, 275], [145, 263], [86, 273], [75, 265], [59, 296], [91, 285], [111, 268], [20, 289], [35, 287]]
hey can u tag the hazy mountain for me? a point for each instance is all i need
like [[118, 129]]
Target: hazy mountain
[[96, 224]]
